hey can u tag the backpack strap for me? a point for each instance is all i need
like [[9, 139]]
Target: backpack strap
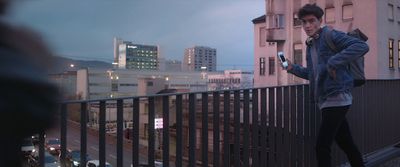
[[329, 41]]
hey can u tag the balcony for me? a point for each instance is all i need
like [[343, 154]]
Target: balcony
[[273, 126], [276, 35]]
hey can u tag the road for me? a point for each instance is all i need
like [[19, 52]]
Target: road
[[73, 142]]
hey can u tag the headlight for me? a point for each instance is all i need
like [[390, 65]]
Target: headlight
[[76, 163], [33, 150], [52, 148]]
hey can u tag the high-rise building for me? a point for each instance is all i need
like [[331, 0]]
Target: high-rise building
[[280, 30], [117, 42], [135, 56], [200, 58]]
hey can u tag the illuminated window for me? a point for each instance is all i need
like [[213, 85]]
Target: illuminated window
[[391, 59], [398, 54]]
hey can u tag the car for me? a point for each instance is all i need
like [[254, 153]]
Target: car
[[73, 157], [53, 146], [27, 147], [96, 163]]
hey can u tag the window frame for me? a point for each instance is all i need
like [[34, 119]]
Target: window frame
[[391, 9], [391, 53], [262, 66], [398, 54], [263, 36], [398, 14], [271, 66], [326, 14], [352, 12]]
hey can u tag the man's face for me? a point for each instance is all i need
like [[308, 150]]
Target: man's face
[[311, 24]]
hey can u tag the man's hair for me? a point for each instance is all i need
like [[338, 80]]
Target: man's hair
[[310, 9]]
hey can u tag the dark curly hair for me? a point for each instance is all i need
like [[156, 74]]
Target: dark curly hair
[[310, 9]]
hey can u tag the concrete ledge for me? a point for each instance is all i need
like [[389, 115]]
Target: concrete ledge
[[381, 157]]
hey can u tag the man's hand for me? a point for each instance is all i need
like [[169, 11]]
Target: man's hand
[[290, 66], [332, 73]]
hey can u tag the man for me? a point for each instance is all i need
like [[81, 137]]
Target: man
[[330, 83], [28, 101]]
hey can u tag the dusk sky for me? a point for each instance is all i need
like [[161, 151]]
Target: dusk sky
[[85, 29]]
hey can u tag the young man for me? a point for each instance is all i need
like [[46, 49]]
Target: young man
[[330, 83]]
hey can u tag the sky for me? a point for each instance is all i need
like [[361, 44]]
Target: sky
[[85, 29]]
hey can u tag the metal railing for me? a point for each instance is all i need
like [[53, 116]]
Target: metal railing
[[274, 126]]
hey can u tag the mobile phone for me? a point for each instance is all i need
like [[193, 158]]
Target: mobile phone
[[283, 60]]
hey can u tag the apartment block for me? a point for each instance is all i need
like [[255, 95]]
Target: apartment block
[[280, 30], [200, 58]]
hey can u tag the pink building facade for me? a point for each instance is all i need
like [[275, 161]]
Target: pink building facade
[[280, 30]]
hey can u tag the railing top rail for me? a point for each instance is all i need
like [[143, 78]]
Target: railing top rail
[[171, 94]]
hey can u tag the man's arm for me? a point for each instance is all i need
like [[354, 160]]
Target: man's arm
[[353, 48], [297, 70]]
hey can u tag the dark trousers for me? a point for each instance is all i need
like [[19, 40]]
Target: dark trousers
[[334, 127]]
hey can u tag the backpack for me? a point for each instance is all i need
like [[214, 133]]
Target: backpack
[[357, 66]]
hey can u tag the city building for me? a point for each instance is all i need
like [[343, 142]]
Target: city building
[[100, 83], [200, 58], [280, 30], [230, 79], [173, 65], [169, 65], [128, 55], [66, 82]]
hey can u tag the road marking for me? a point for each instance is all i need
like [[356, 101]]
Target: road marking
[[94, 148], [113, 156], [77, 141]]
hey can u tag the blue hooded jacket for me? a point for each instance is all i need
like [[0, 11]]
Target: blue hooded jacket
[[350, 49]]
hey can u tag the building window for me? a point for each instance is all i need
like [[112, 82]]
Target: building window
[[347, 12], [330, 15], [298, 54], [391, 12], [271, 66], [398, 53], [275, 21], [391, 59], [263, 36], [296, 20], [262, 66], [398, 14], [280, 21], [114, 87], [149, 83]]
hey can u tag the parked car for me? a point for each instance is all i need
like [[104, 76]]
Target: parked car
[[27, 147], [73, 157], [96, 163], [53, 146]]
